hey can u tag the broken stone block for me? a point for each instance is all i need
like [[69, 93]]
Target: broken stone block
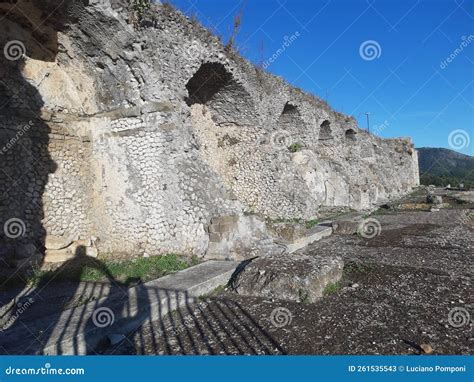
[[60, 255], [288, 277], [348, 226], [74, 250], [434, 199], [56, 242], [92, 252], [231, 241]]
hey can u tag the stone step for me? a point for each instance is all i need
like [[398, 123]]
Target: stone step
[[316, 233], [82, 329], [347, 224]]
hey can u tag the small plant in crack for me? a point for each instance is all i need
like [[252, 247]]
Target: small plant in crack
[[294, 147], [332, 288]]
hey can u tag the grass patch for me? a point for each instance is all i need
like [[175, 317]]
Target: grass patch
[[282, 220], [294, 147], [126, 272], [332, 288], [311, 223]]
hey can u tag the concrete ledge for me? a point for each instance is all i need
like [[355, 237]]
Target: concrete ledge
[[82, 329]]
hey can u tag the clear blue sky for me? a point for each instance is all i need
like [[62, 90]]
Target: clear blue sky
[[407, 89]]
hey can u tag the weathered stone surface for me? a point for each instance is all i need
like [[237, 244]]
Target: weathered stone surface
[[56, 242], [92, 252], [288, 277], [240, 237], [287, 231], [77, 248], [297, 235], [59, 255], [114, 148], [347, 226], [314, 234], [434, 199]]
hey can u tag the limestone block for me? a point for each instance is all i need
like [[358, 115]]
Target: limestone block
[[288, 277], [214, 237], [60, 255], [434, 199], [347, 226], [56, 242], [245, 238], [74, 250], [92, 252]]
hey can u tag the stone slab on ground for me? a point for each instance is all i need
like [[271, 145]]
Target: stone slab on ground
[[465, 196], [347, 224], [81, 329], [314, 234], [288, 277]]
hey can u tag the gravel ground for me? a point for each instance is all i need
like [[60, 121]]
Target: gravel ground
[[407, 287]]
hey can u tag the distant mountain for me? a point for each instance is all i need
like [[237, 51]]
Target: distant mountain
[[442, 167]]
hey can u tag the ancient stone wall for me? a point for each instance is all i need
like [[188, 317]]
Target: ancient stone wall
[[143, 138]]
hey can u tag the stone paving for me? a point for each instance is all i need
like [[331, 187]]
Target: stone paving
[[407, 288]]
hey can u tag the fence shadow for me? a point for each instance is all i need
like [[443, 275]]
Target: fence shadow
[[109, 318]]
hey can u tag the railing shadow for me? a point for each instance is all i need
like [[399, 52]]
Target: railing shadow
[[144, 319]]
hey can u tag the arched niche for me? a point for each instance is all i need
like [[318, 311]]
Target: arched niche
[[290, 118], [325, 131], [350, 135], [215, 87]]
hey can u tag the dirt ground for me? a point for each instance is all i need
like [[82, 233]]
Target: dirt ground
[[404, 290]]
